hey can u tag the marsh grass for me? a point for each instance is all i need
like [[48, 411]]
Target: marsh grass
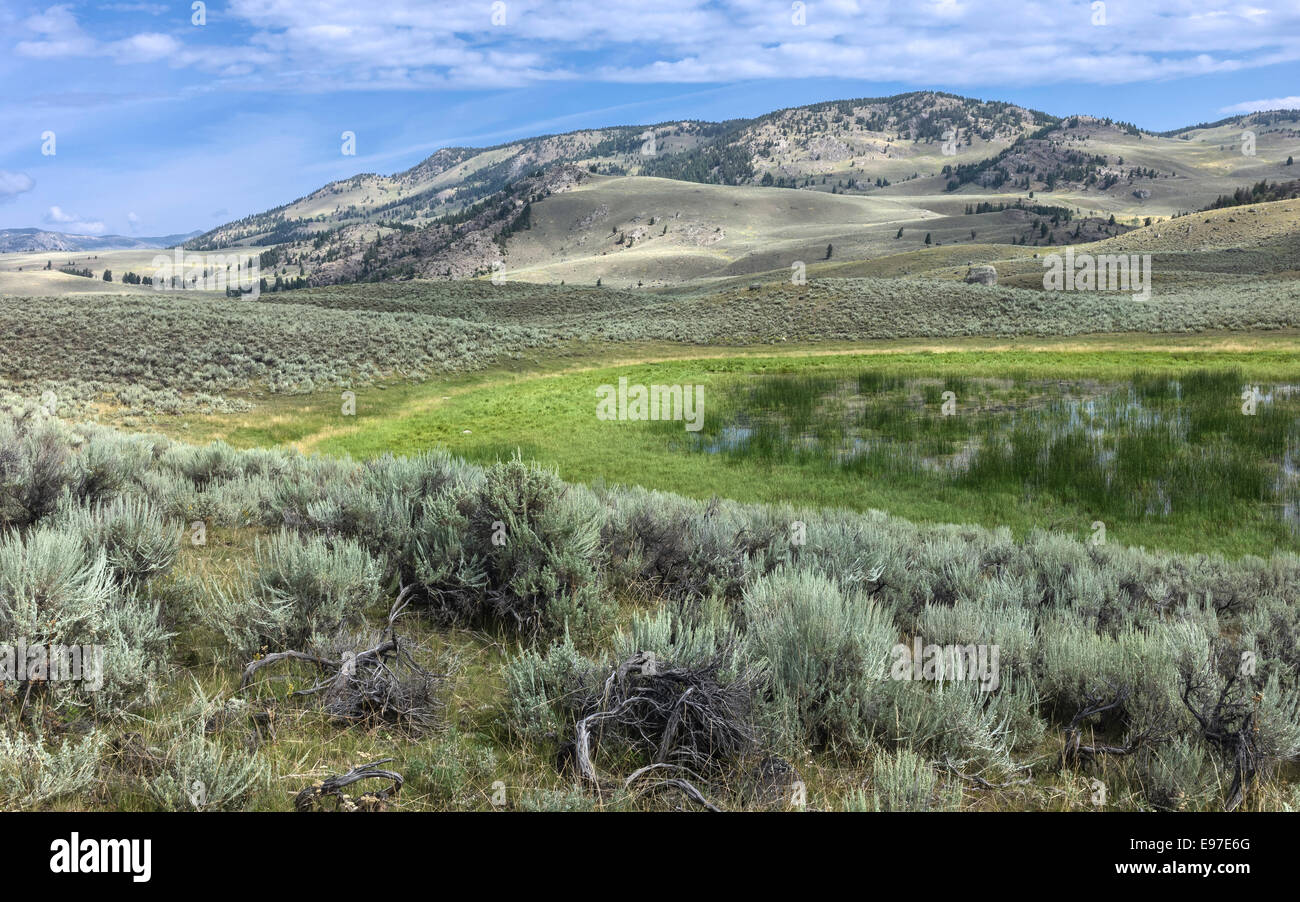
[[542, 406], [1148, 447]]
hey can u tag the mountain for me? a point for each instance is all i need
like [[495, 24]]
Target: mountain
[[823, 141], [616, 203], [37, 240], [1117, 164]]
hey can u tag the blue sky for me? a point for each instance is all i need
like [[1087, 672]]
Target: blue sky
[[163, 125]]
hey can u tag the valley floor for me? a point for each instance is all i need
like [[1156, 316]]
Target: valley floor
[[543, 407], [343, 452]]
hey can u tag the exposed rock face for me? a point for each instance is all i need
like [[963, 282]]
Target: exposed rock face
[[984, 275]]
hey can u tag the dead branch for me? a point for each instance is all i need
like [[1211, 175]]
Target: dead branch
[[681, 718], [981, 782], [1075, 750], [686, 787], [1228, 721], [381, 682], [276, 658], [311, 798]]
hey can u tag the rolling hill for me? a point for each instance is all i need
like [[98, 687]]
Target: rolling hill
[[828, 141], [686, 202]]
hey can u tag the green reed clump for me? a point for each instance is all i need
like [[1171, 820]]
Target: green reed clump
[[877, 381], [1154, 446]]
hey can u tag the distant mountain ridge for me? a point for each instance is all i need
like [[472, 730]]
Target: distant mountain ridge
[[923, 166], [781, 147], [36, 240]]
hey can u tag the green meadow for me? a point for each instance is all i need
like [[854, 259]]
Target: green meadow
[[1151, 443]]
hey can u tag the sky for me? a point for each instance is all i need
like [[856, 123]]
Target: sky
[[154, 118]]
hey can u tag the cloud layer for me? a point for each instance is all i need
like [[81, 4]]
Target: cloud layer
[[334, 44]]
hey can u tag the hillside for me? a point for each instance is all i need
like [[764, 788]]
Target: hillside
[[1118, 168], [693, 202], [447, 182], [828, 143]]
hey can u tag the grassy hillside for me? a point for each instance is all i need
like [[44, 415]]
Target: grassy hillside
[[944, 169], [25, 275], [1112, 168], [661, 232]]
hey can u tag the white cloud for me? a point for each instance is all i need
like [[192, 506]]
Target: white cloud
[[13, 184], [951, 41], [57, 35], [153, 9], [72, 223], [144, 48], [1255, 106], [321, 45]]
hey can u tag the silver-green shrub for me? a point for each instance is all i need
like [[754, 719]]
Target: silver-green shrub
[[538, 684], [1177, 775], [956, 723], [36, 467], [302, 591], [53, 591], [138, 542], [33, 773], [826, 654], [198, 774], [904, 781], [524, 552]]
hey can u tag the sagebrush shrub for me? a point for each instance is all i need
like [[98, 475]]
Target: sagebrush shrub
[[541, 687], [1277, 722], [1077, 667], [202, 464], [1177, 775], [138, 543], [904, 781], [302, 592], [109, 463], [688, 635], [173, 494], [827, 654], [198, 774], [382, 522], [956, 723], [676, 548], [35, 468], [445, 562], [984, 620], [53, 591], [33, 773], [522, 552], [454, 772]]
